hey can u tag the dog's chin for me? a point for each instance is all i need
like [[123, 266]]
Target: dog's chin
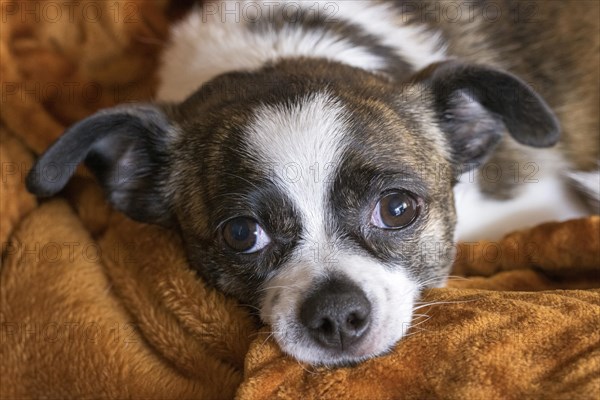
[[307, 351]]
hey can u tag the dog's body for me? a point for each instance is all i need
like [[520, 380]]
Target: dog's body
[[314, 173]]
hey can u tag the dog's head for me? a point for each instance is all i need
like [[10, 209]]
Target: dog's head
[[319, 193]]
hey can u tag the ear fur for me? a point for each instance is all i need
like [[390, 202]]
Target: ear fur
[[126, 148], [475, 105]]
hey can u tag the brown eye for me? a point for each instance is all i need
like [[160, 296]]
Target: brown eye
[[245, 235], [395, 210]]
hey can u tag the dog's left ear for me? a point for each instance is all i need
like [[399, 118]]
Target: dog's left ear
[[127, 149], [475, 105]]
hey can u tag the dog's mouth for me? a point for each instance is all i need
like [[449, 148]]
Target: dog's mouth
[[342, 320], [344, 338]]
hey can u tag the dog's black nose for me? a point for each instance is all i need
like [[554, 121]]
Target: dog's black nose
[[337, 314]]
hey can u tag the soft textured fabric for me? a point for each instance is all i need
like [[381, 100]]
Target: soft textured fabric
[[528, 330], [95, 305]]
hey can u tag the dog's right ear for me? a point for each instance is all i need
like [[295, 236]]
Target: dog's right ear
[[475, 105], [127, 149]]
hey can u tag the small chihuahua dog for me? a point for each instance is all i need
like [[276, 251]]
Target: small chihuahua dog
[[315, 155]]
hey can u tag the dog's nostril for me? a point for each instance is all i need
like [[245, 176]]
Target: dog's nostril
[[354, 321], [337, 314], [326, 326]]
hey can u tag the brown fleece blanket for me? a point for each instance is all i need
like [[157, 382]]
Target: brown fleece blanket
[[96, 305]]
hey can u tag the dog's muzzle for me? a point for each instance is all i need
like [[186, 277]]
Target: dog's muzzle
[[337, 314]]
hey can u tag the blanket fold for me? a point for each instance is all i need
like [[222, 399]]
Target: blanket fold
[[472, 344], [93, 304]]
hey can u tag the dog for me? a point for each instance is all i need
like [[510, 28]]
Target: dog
[[315, 156]]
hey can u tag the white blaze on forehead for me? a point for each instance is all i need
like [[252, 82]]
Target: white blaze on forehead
[[301, 145]]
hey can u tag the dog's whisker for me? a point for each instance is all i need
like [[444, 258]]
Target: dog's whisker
[[303, 366], [248, 306], [439, 280], [420, 322], [420, 315], [418, 330], [440, 303], [269, 336], [446, 301], [254, 335], [277, 287]]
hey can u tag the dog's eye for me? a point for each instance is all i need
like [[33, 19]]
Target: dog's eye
[[245, 235], [395, 210]]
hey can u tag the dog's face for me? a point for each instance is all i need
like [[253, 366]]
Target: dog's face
[[318, 193], [316, 208]]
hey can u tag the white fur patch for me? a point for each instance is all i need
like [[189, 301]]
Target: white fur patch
[[544, 198], [304, 144], [391, 293], [205, 45]]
